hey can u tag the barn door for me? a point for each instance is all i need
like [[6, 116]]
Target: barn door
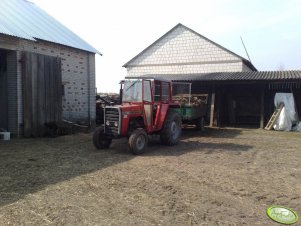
[[42, 85]]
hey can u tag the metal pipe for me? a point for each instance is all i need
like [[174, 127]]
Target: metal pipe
[[245, 49]]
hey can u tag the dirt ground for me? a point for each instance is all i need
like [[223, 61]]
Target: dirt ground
[[218, 177]]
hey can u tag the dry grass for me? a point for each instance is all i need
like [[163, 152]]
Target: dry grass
[[220, 177]]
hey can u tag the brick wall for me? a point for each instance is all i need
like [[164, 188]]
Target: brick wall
[[92, 85], [78, 76]]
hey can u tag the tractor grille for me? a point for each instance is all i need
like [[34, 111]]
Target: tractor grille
[[112, 121]]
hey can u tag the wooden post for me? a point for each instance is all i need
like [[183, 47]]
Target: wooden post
[[262, 109], [212, 109], [218, 97]]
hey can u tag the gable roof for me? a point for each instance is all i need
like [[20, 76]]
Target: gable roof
[[245, 61], [24, 19], [276, 76]]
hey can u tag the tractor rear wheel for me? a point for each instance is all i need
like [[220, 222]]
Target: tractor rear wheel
[[100, 139], [200, 122], [138, 141], [172, 129]]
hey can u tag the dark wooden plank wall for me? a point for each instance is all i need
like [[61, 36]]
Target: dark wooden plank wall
[[42, 84], [3, 91], [3, 100]]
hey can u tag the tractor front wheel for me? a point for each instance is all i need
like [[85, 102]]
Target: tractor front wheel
[[100, 139], [172, 129], [138, 141]]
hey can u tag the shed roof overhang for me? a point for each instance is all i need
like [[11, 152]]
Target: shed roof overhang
[[233, 77]]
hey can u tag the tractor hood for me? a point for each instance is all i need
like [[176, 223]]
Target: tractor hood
[[131, 109]]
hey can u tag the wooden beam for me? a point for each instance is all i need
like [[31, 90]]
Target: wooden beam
[[27, 87], [34, 94], [212, 109], [262, 109], [218, 96], [41, 97]]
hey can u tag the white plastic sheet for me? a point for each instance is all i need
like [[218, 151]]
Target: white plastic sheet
[[297, 127], [288, 115]]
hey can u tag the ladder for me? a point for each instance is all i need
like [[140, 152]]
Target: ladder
[[274, 117]]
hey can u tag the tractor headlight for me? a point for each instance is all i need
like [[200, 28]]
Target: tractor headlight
[[116, 124], [107, 123]]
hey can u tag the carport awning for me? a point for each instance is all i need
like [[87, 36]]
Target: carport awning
[[281, 76]]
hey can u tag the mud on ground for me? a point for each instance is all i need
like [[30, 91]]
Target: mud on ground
[[218, 177]]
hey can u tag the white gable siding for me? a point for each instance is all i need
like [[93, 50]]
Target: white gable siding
[[183, 51], [184, 69], [246, 68]]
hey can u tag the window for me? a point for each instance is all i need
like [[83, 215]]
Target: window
[[147, 91], [157, 95], [132, 91], [165, 91]]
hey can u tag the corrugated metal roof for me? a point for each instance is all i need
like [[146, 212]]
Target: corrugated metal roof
[[233, 76], [23, 19]]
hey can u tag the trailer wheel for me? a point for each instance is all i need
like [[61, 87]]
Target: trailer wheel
[[200, 123], [172, 129], [100, 140], [138, 141]]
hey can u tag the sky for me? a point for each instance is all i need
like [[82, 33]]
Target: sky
[[121, 29]]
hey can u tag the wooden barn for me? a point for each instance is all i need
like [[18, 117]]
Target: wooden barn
[[241, 98], [240, 95], [47, 73]]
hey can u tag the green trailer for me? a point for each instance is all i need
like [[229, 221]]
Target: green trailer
[[193, 115], [193, 106]]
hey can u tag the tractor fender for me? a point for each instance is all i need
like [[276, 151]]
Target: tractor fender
[[161, 114]]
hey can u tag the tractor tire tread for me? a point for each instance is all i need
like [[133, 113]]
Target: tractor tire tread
[[100, 141], [133, 139], [166, 136]]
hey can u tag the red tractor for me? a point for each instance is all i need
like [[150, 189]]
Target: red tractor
[[147, 108]]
